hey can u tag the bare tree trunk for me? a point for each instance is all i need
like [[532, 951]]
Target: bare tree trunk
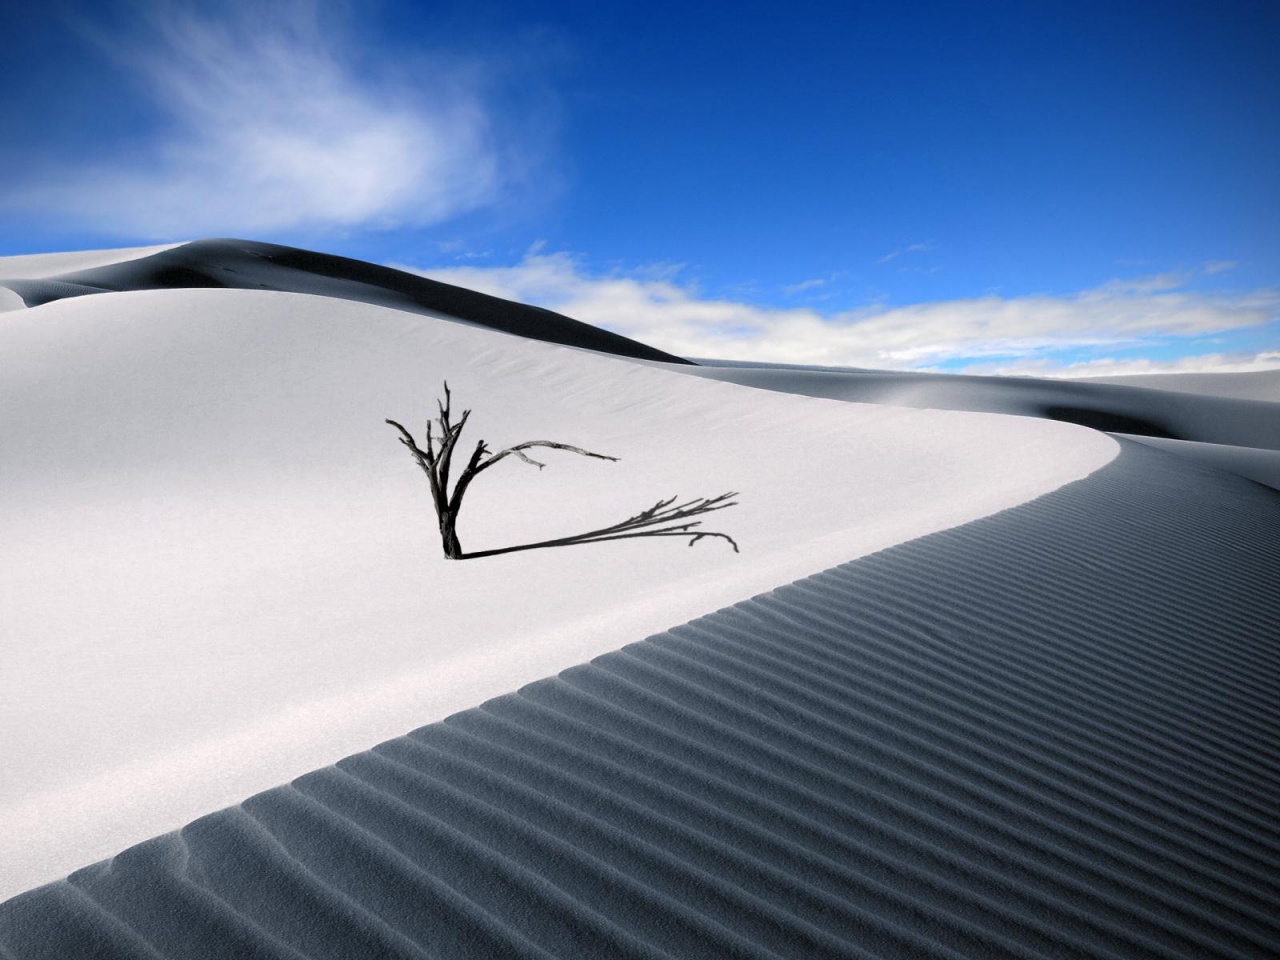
[[449, 537], [435, 462]]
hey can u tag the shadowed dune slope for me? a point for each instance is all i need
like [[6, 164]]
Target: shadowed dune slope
[[1261, 466], [1050, 732], [1250, 385], [250, 265], [1116, 408]]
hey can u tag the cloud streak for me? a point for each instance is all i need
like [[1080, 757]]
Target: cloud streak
[[796, 288], [909, 248], [1114, 317], [269, 120]]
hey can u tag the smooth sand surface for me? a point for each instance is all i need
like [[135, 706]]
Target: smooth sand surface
[[39, 265], [1114, 408], [1212, 420], [1051, 732], [1257, 385], [219, 568]]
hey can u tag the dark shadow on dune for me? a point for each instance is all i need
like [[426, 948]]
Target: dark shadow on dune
[[35, 293], [1052, 732], [1110, 421], [250, 265], [182, 277]]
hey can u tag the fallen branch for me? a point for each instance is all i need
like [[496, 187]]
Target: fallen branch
[[637, 527]]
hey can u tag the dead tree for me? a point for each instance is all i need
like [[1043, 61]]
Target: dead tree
[[436, 462]]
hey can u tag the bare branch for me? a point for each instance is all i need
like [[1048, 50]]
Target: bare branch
[[663, 519], [448, 440], [639, 526], [537, 463], [516, 450], [699, 536], [445, 405], [423, 458]]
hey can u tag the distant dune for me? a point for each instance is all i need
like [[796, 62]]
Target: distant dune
[[248, 265], [1260, 385], [984, 681], [1199, 417], [1176, 415]]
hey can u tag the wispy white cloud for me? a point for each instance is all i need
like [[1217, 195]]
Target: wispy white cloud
[[666, 314], [909, 248], [1155, 283], [272, 119], [794, 288]]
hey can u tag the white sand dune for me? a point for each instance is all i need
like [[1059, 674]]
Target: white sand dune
[[1046, 733], [1198, 417], [1026, 722], [250, 265], [37, 266], [220, 568], [1176, 415]]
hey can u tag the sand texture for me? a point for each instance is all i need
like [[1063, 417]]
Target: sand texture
[[1254, 463], [1049, 732]]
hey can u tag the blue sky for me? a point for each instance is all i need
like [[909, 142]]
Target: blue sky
[[1026, 186]]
